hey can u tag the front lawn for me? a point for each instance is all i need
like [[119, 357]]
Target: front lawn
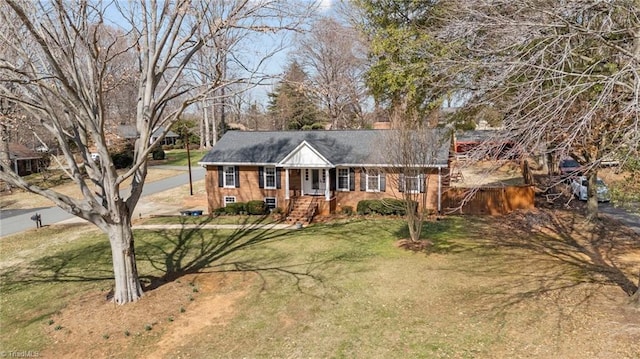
[[179, 157], [526, 285]]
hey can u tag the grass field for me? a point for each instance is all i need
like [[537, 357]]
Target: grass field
[[343, 289], [179, 157]]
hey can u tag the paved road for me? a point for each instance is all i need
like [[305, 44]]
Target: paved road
[[15, 221], [629, 219]]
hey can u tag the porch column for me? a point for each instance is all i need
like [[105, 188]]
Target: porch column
[[439, 190], [286, 183], [327, 185]]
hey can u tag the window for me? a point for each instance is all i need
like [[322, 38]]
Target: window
[[343, 179], [229, 176], [270, 202], [413, 181], [229, 199], [27, 165], [373, 181], [270, 177]]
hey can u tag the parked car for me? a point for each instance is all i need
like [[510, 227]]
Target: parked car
[[95, 156], [580, 185], [569, 166]]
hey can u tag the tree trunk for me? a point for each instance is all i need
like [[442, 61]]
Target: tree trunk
[[127, 283], [207, 125], [5, 158], [635, 298], [592, 196]]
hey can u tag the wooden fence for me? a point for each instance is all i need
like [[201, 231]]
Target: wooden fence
[[490, 200]]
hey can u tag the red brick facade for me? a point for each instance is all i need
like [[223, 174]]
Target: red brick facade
[[249, 188]]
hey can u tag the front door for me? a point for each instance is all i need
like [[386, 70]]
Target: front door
[[314, 182]]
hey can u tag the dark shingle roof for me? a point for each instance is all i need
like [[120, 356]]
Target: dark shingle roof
[[350, 147], [475, 136], [158, 131]]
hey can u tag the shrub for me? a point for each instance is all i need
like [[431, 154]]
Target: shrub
[[256, 207], [219, 211], [158, 154], [384, 207], [122, 160], [234, 208], [348, 210]]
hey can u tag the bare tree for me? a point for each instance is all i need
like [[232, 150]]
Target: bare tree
[[62, 53], [564, 75], [412, 150], [335, 57]]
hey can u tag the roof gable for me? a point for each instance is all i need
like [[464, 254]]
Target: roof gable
[[305, 156]]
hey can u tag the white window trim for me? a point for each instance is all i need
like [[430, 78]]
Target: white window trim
[[420, 178], [347, 189], [367, 182], [224, 176], [224, 199], [264, 175]]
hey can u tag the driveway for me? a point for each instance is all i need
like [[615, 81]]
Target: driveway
[[627, 218]]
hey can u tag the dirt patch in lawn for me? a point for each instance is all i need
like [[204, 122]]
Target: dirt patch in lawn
[[93, 327]]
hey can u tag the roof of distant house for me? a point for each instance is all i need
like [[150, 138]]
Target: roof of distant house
[[158, 131], [18, 151], [477, 136], [341, 148]]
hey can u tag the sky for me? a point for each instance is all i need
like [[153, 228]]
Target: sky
[[273, 66]]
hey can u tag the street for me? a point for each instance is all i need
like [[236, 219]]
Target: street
[[18, 220], [627, 218]]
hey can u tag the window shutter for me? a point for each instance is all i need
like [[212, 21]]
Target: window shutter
[[237, 176], [383, 181], [220, 177], [400, 183], [363, 180], [261, 177], [352, 179], [278, 175], [332, 179], [422, 179]]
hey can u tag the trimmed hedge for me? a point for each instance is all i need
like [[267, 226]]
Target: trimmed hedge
[[235, 208], [256, 207], [386, 207], [158, 154]]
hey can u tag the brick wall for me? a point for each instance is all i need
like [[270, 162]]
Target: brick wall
[[250, 190]]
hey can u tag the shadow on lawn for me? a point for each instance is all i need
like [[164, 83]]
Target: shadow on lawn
[[557, 251], [180, 252], [90, 263], [193, 250]]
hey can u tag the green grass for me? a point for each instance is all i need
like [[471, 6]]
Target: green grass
[[179, 157], [341, 289], [240, 219]]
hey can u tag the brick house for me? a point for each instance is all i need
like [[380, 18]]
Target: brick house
[[325, 169]]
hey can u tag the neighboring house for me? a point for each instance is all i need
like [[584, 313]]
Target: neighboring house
[[465, 142], [334, 169], [23, 160], [169, 139]]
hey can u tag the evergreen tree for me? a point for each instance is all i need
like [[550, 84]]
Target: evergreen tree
[[289, 106]]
